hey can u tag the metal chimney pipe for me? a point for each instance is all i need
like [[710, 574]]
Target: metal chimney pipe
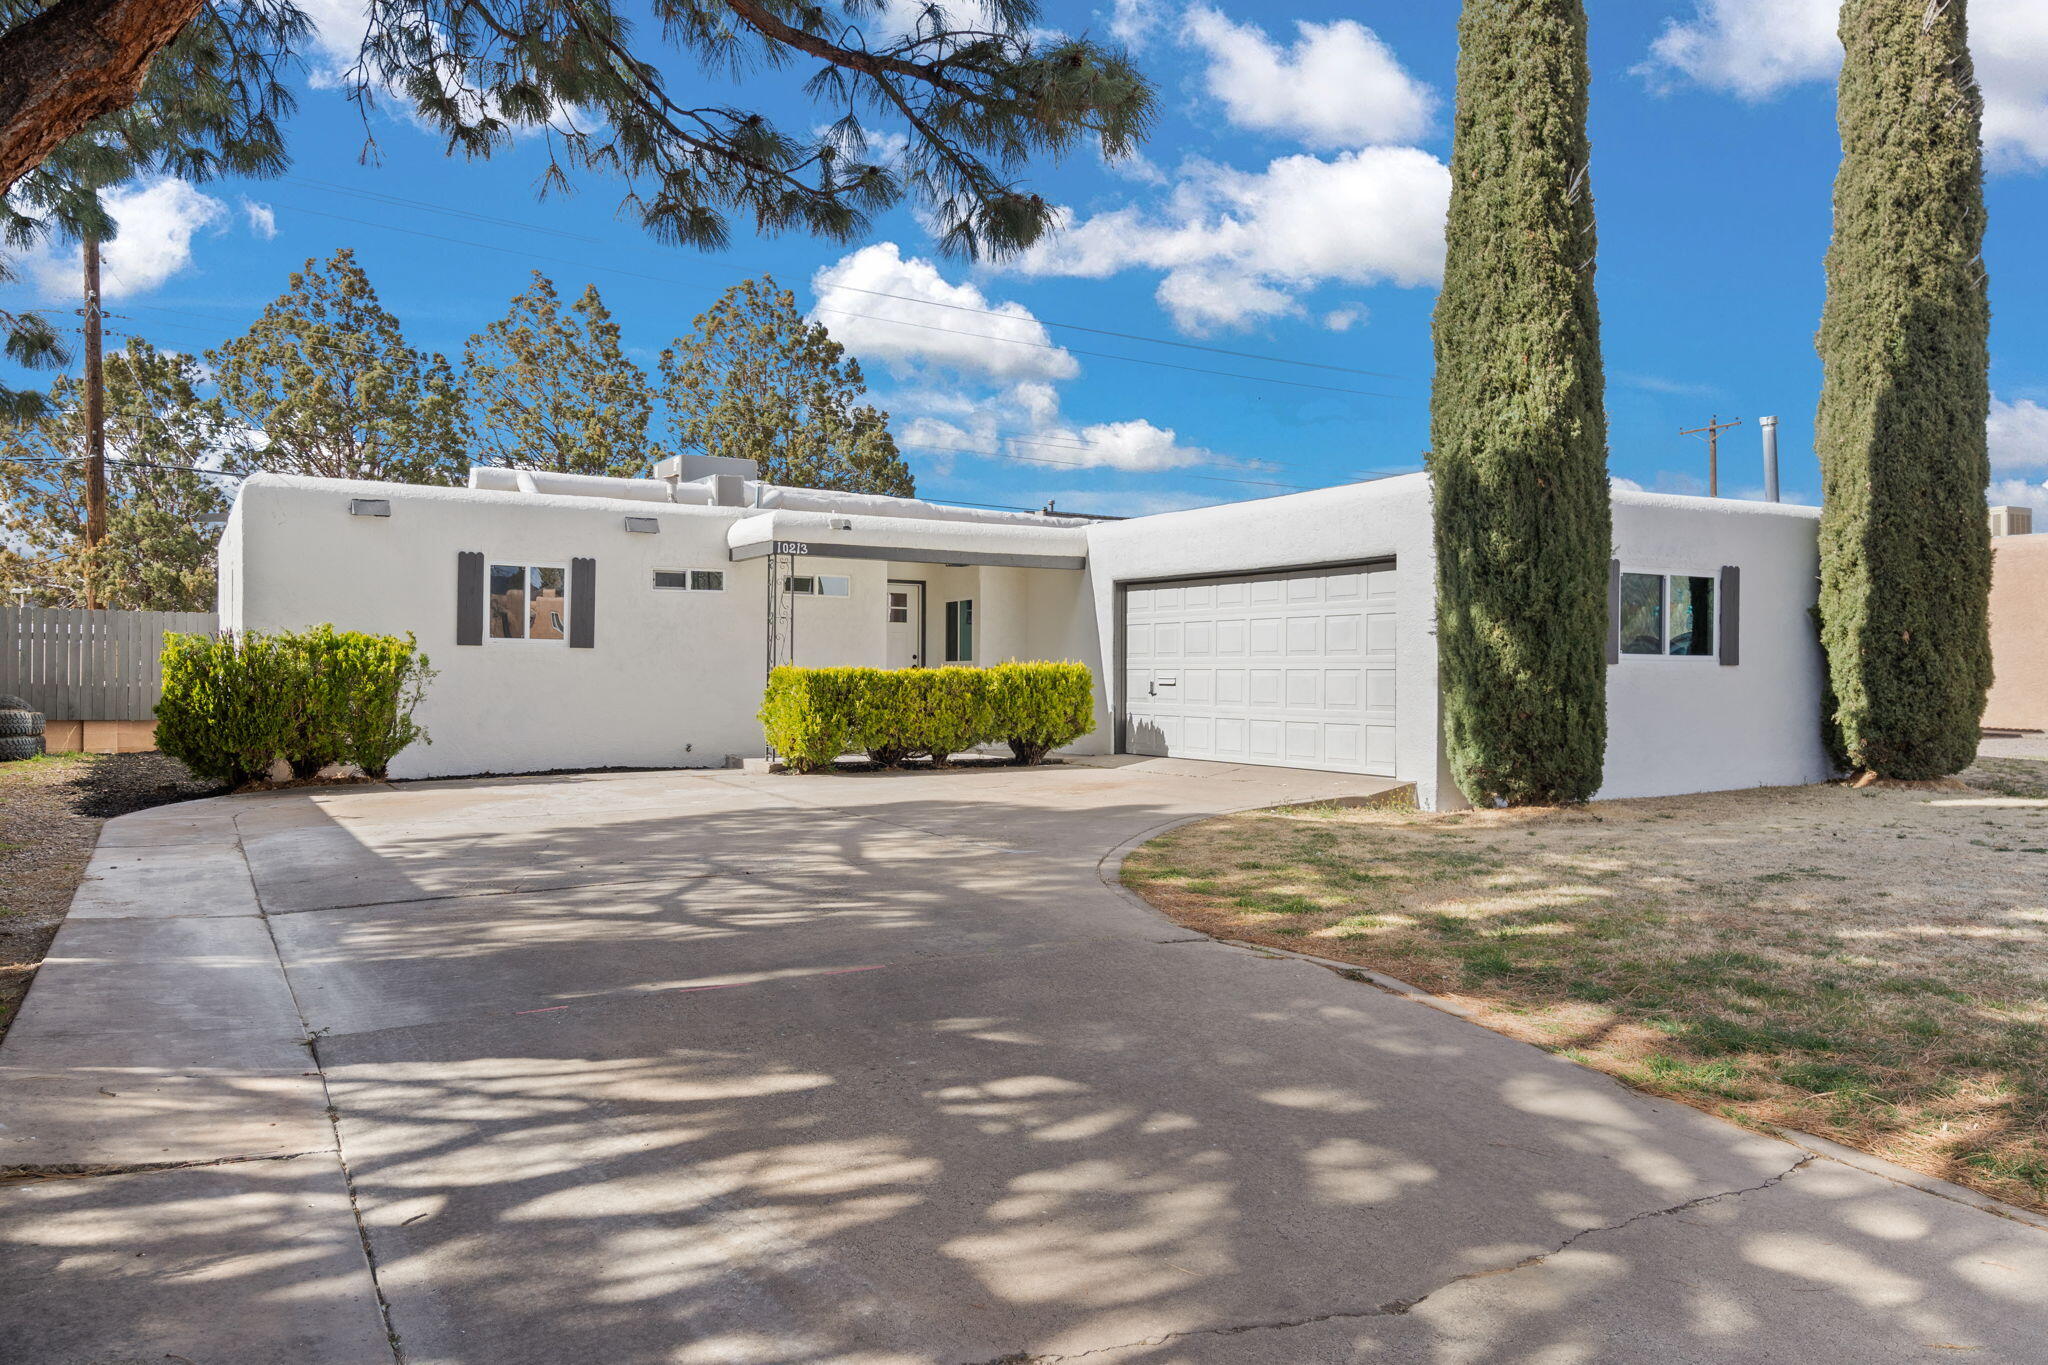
[[1770, 430]]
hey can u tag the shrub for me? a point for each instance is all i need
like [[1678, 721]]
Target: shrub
[[235, 703], [806, 714], [1039, 707], [812, 715], [953, 711]]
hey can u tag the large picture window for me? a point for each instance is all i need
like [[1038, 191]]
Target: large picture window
[[960, 632], [1671, 615], [529, 602]]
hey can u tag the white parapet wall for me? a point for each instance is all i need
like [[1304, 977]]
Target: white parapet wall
[[1681, 725]]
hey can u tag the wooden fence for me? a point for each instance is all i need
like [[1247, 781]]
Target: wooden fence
[[73, 664]]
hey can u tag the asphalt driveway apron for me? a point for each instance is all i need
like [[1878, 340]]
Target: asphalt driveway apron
[[709, 1067]]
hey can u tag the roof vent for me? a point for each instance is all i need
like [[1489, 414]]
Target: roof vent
[[2012, 521], [646, 526], [728, 490], [369, 507]]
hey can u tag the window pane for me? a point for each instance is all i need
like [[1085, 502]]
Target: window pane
[[549, 609], [671, 578], [959, 632], [1692, 616], [899, 616], [707, 580], [508, 601], [802, 587], [1642, 613], [952, 631], [835, 587]]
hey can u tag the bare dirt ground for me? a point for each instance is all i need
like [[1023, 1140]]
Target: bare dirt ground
[[51, 810], [1869, 965]]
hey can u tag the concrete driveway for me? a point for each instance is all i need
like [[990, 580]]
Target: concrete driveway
[[714, 1068]]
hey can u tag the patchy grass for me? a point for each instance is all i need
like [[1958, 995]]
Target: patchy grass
[[1870, 965]]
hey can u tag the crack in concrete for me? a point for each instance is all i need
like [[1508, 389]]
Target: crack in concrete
[[75, 1170], [1401, 1307]]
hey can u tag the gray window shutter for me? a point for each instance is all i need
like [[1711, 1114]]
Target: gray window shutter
[[1731, 615], [582, 603], [469, 597], [1613, 611]]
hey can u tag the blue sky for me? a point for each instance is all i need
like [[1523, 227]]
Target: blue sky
[[1288, 207]]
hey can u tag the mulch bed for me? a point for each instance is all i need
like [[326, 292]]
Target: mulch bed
[[51, 810]]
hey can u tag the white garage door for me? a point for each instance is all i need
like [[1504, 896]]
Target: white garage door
[[1294, 669]]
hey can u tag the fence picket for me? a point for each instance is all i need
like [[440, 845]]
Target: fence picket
[[73, 664]]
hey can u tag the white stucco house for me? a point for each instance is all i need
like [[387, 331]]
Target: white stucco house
[[582, 622]]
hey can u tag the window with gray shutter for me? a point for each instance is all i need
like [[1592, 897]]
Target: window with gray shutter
[[582, 603], [469, 597], [1731, 615]]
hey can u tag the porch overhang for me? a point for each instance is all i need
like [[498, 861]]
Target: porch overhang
[[907, 540]]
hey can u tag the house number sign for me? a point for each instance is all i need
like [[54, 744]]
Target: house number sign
[[792, 547]]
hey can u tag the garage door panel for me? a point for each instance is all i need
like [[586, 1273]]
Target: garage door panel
[[1319, 691]]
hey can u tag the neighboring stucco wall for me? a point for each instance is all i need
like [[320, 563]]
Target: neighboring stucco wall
[[1693, 725], [2019, 633], [1388, 518]]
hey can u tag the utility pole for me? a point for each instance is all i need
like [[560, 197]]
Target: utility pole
[[95, 424], [1712, 431]]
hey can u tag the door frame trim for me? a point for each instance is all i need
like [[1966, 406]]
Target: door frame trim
[[1122, 586], [923, 591]]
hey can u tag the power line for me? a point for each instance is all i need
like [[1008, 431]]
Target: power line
[[658, 279], [1085, 464], [1105, 355], [378, 196]]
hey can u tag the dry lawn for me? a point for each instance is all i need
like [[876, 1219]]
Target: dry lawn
[[1870, 965]]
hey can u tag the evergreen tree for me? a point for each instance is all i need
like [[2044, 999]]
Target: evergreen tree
[[1518, 428], [1905, 549], [326, 376], [158, 554], [554, 390], [95, 93], [757, 381]]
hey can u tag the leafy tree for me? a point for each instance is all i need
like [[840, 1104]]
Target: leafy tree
[[95, 93], [195, 86], [326, 376], [158, 554], [1905, 550], [554, 389], [1519, 433], [756, 381]]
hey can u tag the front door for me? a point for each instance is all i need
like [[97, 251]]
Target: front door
[[906, 623]]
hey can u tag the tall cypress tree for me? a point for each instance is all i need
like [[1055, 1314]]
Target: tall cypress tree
[[1905, 551], [1519, 433]]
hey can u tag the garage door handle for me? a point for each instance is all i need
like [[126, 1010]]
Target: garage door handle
[[1167, 682]]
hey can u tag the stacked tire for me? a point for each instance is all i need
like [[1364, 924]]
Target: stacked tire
[[21, 730]]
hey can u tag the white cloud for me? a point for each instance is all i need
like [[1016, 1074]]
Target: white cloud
[[1344, 319], [338, 29], [904, 314], [2019, 434], [1757, 48], [1024, 424], [1238, 246], [155, 224], [1337, 86], [1133, 22], [262, 219], [2018, 493]]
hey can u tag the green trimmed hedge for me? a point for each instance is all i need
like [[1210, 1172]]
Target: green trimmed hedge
[[813, 715], [235, 703]]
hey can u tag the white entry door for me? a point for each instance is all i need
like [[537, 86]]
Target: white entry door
[[906, 624], [1292, 669]]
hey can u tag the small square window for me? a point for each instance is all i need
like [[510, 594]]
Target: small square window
[[1670, 615], [707, 580], [830, 586], [672, 580], [804, 586], [528, 602]]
